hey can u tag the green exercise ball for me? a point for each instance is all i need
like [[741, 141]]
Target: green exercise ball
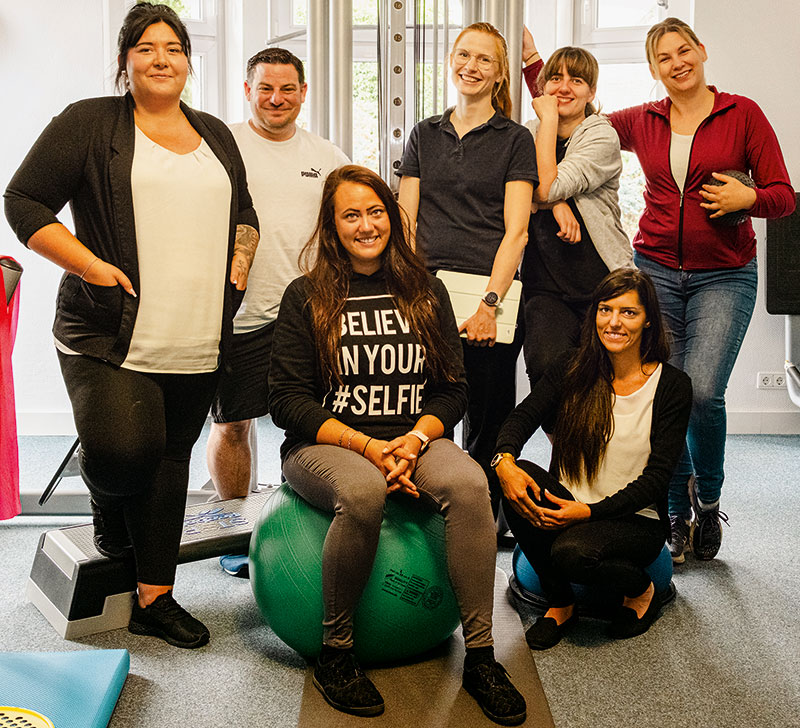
[[407, 607]]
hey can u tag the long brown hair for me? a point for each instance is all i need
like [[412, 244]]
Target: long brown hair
[[328, 270], [585, 419], [501, 94]]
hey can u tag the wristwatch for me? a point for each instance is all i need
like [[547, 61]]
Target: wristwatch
[[423, 438], [497, 459], [490, 298]]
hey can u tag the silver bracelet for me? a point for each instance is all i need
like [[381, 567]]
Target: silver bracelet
[[86, 269]]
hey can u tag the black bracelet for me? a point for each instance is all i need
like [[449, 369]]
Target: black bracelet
[[366, 444]]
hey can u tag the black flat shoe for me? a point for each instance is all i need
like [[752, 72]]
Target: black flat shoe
[[545, 632], [626, 624]]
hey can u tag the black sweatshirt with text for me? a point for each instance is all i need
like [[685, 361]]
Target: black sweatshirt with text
[[386, 386]]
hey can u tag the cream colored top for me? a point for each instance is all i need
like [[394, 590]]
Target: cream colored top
[[628, 449], [181, 206], [679, 149]]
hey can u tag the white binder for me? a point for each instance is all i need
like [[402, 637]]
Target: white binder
[[466, 291]]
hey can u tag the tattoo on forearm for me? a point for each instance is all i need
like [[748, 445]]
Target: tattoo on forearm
[[246, 242]]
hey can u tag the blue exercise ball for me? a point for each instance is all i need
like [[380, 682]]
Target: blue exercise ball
[[407, 607], [594, 599]]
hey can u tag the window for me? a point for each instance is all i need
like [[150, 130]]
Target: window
[[203, 21], [614, 31], [425, 95]]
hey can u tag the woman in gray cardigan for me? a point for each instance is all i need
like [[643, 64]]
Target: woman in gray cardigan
[[575, 236]]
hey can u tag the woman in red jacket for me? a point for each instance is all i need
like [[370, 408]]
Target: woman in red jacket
[[696, 242]]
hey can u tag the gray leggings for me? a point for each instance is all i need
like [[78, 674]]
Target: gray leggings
[[347, 484]]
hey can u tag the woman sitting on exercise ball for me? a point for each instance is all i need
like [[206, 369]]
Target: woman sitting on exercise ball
[[599, 516], [368, 380]]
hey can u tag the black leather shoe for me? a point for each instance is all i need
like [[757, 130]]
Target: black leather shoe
[[626, 624], [343, 684], [489, 684], [110, 532], [167, 619], [545, 632]]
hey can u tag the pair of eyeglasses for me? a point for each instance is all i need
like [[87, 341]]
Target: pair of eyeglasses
[[461, 57]]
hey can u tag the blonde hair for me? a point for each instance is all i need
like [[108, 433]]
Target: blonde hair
[[579, 64], [659, 30], [501, 95]]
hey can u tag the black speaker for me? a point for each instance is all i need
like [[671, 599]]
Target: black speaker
[[783, 264]]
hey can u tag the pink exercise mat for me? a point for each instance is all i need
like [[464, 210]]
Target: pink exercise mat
[[9, 454]]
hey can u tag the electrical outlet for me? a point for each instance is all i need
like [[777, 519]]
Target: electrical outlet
[[771, 380]]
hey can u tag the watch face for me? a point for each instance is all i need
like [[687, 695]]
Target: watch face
[[491, 298]]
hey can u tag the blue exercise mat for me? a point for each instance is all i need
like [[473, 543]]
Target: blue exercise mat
[[73, 689]]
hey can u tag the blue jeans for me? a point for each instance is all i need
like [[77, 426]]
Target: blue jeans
[[708, 313]]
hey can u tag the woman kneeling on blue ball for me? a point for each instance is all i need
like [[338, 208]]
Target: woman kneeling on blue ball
[[368, 380], [620, 413]]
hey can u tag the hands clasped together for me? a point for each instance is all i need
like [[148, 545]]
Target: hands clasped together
[[397, 460], [518, 487]]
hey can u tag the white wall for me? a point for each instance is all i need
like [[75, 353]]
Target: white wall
[[754, 50], [51, 54]]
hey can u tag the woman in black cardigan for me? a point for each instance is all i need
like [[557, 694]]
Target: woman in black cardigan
[[165, 232], [620, 415]]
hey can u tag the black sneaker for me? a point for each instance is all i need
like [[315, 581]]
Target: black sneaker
[[678, 538], [489, 684], [344, 685], [705, 534], [167, 619], [110, 532]]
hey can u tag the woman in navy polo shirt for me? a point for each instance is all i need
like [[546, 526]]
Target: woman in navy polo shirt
[[467, 183]]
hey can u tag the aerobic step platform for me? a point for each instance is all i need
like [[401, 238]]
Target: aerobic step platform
[[81, 592]]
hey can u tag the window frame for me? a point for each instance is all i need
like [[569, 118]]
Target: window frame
[[620, 44]]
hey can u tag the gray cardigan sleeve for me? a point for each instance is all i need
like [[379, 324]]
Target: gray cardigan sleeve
[[591, 159]]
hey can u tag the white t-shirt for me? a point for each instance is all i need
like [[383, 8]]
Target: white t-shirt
[[679, 150], [285, 181], [628, 449], [181, 206]]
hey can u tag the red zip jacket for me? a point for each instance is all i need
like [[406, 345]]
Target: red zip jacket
[[674, 230]]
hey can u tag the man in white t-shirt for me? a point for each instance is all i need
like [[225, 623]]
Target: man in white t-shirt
[[286, 169]]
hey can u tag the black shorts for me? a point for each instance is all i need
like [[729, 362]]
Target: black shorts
[[243, 389]]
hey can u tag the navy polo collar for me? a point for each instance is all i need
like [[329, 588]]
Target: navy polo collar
[[498, 121]]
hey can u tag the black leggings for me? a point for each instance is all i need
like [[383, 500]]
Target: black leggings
[[492, 379], [137, 431], [552, 326], [610, 553]]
